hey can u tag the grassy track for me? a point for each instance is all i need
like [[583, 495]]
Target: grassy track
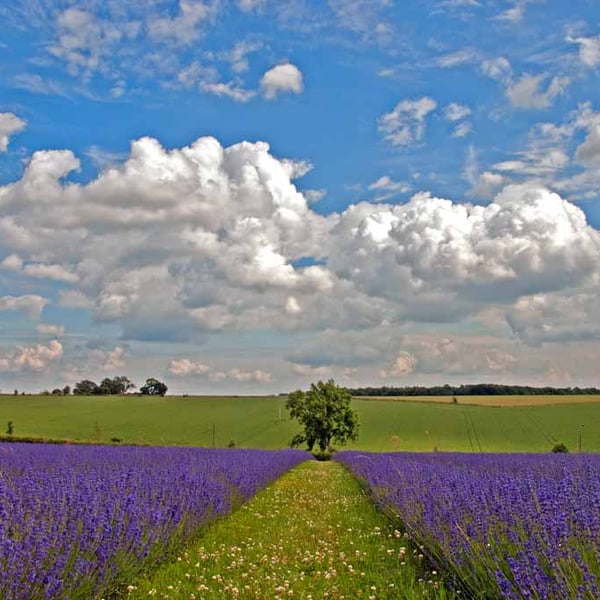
[[312, 534], [254, 422]]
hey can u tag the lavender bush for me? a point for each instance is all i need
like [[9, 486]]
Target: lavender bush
[[76, 520], [504, 526]]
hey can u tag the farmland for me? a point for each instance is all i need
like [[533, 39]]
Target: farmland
[[75, 520], [503, 526], [512, 424]]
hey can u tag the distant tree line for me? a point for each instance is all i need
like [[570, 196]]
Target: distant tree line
[[114, 386], [474, 389]]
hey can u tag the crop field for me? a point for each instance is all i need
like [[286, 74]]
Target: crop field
[[261, 422], [76, 520], [90, 522], [499, 526]]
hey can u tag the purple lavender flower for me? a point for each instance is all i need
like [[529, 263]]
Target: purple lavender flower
[[73, 518]]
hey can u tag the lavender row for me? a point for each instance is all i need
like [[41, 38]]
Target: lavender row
[[76, 520], [502, 526]]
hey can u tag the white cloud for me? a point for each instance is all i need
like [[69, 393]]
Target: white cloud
[[172, 243], [405, 125], [54, 272], [12, 262], [108, 360], [462, 129], [456, 112], [9, 125], [84, 40], [487, 184], [589, 50], [36, 358], [238, 56], [387, 183], [526, 92], [557, 317], [403, 364], [498, 69], [185, 27], [46, 329], [230, 90], [30, 304], [457, 58], [436, 260], [588, 153], [250, 5], [185, 368], [285, 78], [38, 85]]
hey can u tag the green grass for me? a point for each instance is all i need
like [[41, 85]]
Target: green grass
[[254, 422], [312, 534]]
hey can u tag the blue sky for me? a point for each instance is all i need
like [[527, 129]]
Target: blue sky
[[246, 196]]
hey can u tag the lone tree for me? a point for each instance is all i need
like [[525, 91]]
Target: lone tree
[[324, 412], [153, 387]]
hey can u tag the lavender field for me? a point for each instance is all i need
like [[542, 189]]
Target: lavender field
[[76, 521], [500, 526]]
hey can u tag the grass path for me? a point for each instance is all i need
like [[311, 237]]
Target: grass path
[[313, 534]]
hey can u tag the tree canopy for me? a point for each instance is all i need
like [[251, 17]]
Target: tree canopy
[[324, 412], [154, 387]]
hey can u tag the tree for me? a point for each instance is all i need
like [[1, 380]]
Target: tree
[[66, 390], [116, 386], [85, 388], [324, 412], [153, 387]]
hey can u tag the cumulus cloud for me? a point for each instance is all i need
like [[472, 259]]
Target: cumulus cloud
[[437, 260], [487, 184], [403, 364], [405, 125], [185, 367], [556, 317], [36, 358], [285, 78], [31, 304], [9, 125], [174, 243], [526, 92]]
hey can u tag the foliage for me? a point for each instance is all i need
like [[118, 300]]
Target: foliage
[[108, 387], [115, 386], [10, 428], [85, 387], [560, 448], [473, 389], [324, 412], [153, 387]]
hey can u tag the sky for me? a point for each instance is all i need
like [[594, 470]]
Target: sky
[[245, 196]]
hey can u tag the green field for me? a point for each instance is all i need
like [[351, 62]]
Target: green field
[[261, 422]]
